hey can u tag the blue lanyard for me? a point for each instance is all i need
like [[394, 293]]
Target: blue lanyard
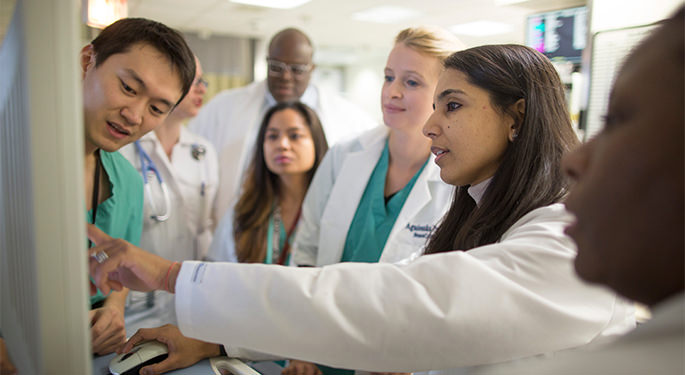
[[270, 241], [284, 256]]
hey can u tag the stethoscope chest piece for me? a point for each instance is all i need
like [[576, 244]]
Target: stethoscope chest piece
[[198, 152]]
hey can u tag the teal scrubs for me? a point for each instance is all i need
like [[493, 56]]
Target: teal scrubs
[[121, 215], [375, 218], [372, 224]]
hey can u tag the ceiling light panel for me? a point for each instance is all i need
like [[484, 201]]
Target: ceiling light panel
[[481, 28], [386, 14], [278, 4]]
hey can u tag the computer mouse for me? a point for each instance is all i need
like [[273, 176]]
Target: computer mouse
[[143, 354]]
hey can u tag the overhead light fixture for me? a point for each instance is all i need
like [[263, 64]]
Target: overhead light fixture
[[385, 14], [101, 13], [481, 28], [278, 4], [508, 2]]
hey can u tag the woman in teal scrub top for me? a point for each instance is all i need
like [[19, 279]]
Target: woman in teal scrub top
[[378, 197], [260, 227]]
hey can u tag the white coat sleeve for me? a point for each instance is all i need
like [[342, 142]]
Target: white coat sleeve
[[508, 300], [306, 244], [212, 187]]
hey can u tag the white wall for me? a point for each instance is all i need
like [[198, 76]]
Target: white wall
[[618, 22], [363, 86], [614, 14]]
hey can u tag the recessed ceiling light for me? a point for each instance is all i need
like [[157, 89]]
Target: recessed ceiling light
[[481, 28], [508, 2], [385, 14], [279, 4]]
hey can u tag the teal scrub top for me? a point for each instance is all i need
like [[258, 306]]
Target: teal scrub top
[[372, 224], [121, 215], [374, 219]]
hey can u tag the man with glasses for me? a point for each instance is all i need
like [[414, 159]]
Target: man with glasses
[[231, 119]]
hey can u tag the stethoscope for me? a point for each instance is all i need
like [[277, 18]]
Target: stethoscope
[[147, 168]]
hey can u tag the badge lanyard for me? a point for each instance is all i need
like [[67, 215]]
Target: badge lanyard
[[286, 247]]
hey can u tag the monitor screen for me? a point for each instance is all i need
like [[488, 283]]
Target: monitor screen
[[560, 35]]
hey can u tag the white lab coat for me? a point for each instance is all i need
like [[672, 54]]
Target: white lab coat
[[222, 248], [515, 298], [336, 190], [655, 347], [187, 234], [231, 122]]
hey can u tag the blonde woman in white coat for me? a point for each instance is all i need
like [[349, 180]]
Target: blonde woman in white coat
[[378, 196]]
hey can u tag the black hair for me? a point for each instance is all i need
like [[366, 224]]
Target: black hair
[[121, 35]]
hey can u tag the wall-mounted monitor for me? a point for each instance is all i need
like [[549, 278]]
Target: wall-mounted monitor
[[560, 34]]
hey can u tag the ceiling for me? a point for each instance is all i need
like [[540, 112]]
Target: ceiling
[[329, 22]]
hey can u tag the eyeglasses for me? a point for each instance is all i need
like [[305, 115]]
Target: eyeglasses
[[278, 68], [201, 82]]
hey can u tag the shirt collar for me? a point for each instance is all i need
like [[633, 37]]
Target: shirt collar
[[476, 191]]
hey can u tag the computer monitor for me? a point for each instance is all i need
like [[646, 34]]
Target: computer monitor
[[43, 273], [560, 34]]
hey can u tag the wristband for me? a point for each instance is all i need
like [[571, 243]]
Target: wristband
[[166, 279]]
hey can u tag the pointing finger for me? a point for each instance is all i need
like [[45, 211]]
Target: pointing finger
[[96, 235]]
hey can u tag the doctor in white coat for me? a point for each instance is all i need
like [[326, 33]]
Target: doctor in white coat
[[177, 224], [231, 119], [496, 282]]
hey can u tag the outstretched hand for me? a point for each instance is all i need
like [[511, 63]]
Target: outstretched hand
[[126, 265]]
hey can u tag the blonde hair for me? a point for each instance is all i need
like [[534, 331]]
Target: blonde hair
[[430, 40]]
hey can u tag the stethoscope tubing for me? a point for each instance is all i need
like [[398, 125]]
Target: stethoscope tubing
[[147, 165]]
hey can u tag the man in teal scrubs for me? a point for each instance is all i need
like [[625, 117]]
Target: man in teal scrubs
[[134, 73]]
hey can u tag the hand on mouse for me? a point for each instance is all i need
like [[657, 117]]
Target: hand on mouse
[[297, 367], [126, 265], [183, 351], [107, 324]]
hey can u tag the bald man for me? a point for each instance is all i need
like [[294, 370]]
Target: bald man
[[231, 119]]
